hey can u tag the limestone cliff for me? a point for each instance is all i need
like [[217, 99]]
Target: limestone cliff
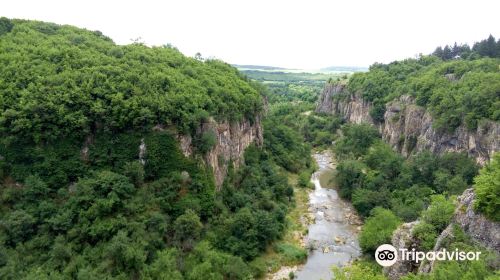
[[232, 138], [476, 225], [483, 231], [407, 127], [231, 141], [402, 238]]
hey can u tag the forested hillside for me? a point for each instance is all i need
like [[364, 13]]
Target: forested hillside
[[78, 200], [98, 181], [409, 199], [462, 90]]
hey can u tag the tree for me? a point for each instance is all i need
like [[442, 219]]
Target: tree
[[447, 53], [350, 176], [206, 263], [356, 140], [187, 229], [378, 229], [35, 189], [206, 141], [124, 254], [135, 172], [439, 52], [487, 188], [426, 234], [164, 267], [487, 47], [381, 157], [364, 200], [18, 226], [439, 212], [422, 167], [5, 25]]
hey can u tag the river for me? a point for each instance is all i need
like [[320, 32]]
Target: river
[[333, 236]]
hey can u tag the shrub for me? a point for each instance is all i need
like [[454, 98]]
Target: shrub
[[427, 235], [206, 142], [487, 187], [357, 271], [378, 229], [291, 253], [135, 172], [304, 180], [439, 212]]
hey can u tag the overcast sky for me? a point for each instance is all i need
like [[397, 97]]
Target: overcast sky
[[306, 34]]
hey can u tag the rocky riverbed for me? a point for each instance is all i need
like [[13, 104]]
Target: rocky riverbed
[[333, 234]]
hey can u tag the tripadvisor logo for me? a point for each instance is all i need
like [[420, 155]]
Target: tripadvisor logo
[[387, 255]]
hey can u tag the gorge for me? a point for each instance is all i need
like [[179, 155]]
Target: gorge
[[408, 128]]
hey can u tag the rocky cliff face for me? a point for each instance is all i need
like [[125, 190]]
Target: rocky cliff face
[[232, 138], [483, 231], [476, 225], [351, 107], [231, 141], [407, 127], [402, 238]]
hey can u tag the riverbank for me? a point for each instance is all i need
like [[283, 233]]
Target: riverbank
[[288, 254], [332, 238], [320, 222]]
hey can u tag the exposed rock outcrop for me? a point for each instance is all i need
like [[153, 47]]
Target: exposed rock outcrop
[[232, 138], [402, 238], [142, 152], [351, 107], [84, 152], [407, 127], [476, 225], [428, 266], [231, 141]]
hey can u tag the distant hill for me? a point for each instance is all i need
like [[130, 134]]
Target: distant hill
[[344, 69], [259, 67]]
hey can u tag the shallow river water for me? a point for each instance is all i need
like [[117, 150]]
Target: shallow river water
[[334, 233]]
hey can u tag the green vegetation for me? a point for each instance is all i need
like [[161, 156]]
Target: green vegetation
[[487, 188], [455, 91], [291, 77], [77, 202], [291, 86], [63, 81], [357, 272], [386, 189], [486, 48], [371, 174], [433, 221], [458, 85], [378, 229], [484, 268]]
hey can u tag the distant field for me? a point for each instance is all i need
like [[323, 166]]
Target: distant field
[[278, 75]]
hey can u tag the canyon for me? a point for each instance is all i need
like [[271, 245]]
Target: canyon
[[408, 128]]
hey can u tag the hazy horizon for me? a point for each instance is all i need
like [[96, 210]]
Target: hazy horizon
[[288, 34]]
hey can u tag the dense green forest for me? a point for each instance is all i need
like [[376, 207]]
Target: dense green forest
[[108, 215], [388, 190], [60, 80], [485, 48], [456, 91], [461, 87]]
